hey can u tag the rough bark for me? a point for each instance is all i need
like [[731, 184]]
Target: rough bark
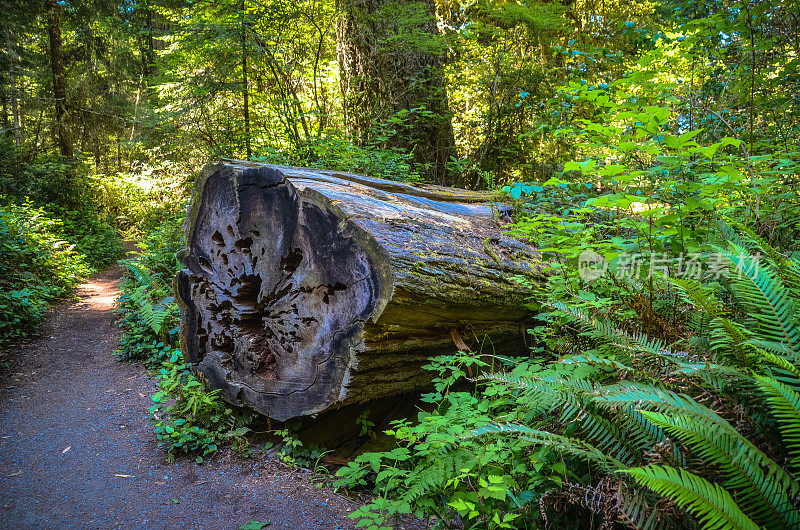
[[245, 88], [13, 66], [306, 290], [148, 50], [391, 58], [59, 76]]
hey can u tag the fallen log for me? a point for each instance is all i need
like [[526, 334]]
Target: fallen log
[[304, 290]]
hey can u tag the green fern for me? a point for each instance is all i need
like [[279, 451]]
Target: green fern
[[731, 341], [785, 405], [155, 315], [744, 237], [710, 503], [575, 401], [653, 397], [639, 513], [654, 353], [434, 476], [662, 410], [701, 296], [590, 358], [765, 489], [558, 442], [770, 304]]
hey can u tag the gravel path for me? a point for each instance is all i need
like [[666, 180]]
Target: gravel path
[[77, 450]]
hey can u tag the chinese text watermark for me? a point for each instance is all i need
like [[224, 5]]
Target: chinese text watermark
[[689, 265]]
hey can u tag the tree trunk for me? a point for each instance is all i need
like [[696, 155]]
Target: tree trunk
[[391, 57], [147, 48], [306, 290], [245, 88], [59, 77], [13, 58], [4, 110]]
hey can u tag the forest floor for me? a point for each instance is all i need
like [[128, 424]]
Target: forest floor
[[77, 449]]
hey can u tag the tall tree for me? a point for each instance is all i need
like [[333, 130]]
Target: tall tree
[[391, 58], [59, 77], [13, 67], [147, 39], [245, 88]]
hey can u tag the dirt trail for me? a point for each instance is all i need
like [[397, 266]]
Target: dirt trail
[[77, 451]]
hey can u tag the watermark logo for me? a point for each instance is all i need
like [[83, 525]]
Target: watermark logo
[[696, 266], [591, 265]]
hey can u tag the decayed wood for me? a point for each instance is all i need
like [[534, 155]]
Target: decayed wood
[[305, 290]]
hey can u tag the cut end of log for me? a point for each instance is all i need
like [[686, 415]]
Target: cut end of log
[[280, 288], [287, 280]]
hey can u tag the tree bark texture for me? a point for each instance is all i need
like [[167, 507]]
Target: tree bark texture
[[304, 290], [59, 76], [391, 57], [245, 87], [13, 66]]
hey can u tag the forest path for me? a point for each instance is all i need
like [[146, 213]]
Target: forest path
[[77, 449]]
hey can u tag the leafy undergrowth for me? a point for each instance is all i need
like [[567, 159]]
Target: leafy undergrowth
[[610, 426], [339, 154], [40, 262], [52, 236], [36, 267], [662, 389], [187, 418]]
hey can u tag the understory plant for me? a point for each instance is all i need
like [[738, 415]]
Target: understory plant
[[621, 428], [149, 314], [710, 423], [338, 153], [187, 418], [440, 471], [36, 267], [63, 190]]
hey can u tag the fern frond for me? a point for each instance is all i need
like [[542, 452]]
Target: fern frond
[[639, 513], [155, 315], [435, 475], [785, 404], [607, 434], [575, 400], [590, 358], [716, 376], [791, 275], [139, 273], [629, 343], [644, 433], [654, 397], [768, 301], [744, 237], [710, 503], [765, 489], [605, 330], [700, 296], [781, 362], [730, 340], [558, 442]]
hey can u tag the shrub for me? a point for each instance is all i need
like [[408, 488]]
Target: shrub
[[64, 191], [187, 418], [148, 310], [36, 267], [338, 154]]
